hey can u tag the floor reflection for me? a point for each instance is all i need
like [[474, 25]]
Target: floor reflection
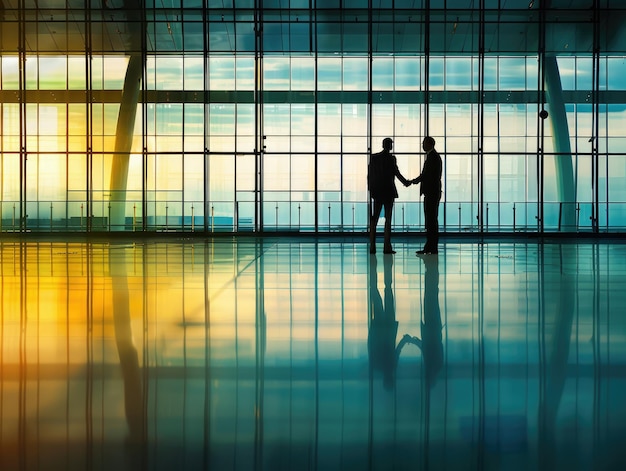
[[274, 353], [134, 399]]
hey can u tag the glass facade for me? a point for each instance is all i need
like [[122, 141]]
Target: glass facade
[[259, 116]]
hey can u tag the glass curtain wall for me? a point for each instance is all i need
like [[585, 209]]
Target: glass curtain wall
[[260, 116]]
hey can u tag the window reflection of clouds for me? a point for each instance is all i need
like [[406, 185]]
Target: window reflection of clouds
[[194, 73], [194, 119], [76, 73], [55, 76], [10, 73], [532, 72], [382, 73], [221, 73], [114, 72], [169, 118], [512, 73], [616, 70], [244, 73], [355, 73], [245, 119], [164, 73], [222, 119], [459, 73], [277, 117], [276, 73], [169, 72], [303, 119], [616, 118], [31, 72], [329, 73], [584, 73], [436, 73], [229, 73], [491, 73], [302, 73], [329, 119]]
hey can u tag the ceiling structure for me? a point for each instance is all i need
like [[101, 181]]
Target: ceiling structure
[[454, 26]]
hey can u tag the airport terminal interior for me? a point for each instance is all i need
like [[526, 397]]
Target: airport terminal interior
[[186, 274]]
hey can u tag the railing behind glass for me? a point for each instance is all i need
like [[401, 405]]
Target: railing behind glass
[[299, 216]]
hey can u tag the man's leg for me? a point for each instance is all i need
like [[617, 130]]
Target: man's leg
[[426, 226], [373, 223], [388, 216], [431, 209], [423, 251]]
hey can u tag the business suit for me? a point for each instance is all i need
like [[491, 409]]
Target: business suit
[[381, 174], [430, 187]]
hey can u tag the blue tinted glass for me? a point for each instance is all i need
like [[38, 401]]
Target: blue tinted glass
[[512, 73]]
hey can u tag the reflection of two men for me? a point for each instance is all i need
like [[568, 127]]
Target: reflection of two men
[[383, 329]]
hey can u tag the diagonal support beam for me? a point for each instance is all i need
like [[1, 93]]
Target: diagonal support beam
[[561, 137], [124, 141]]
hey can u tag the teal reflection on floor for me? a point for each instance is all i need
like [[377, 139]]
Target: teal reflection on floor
[[282, 353]]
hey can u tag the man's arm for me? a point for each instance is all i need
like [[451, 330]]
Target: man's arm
[[406, 338], [404, 181], [423, 175]]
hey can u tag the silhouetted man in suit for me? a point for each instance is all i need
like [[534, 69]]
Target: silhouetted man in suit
[[381, 173], [430, 187]]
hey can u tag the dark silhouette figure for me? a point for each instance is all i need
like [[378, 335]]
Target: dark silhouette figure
[[431, 346], [430, 187], [431, 343], [383, 327], [381, 173]]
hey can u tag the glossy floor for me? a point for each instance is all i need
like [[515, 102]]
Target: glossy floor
[[303, 353]]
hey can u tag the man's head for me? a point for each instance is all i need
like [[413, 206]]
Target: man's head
[[428, 144], [387, 143]]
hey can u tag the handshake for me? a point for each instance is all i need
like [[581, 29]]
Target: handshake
[[412, 182]]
